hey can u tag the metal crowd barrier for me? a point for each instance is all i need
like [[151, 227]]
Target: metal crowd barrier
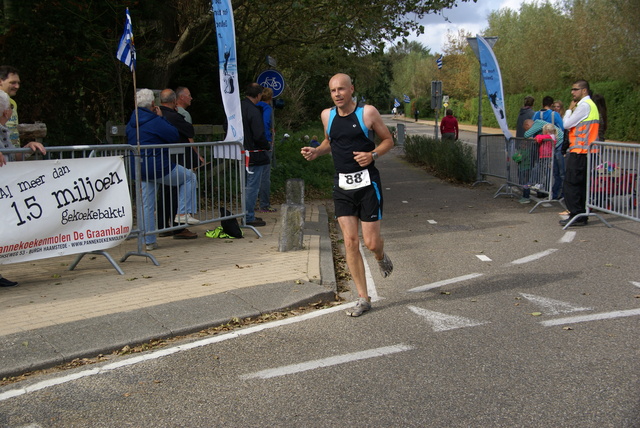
[[490, 157], [612, 181], [211, 174], [216, 176], [529, 164]]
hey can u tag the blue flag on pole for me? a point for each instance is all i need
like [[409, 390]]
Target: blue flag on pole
[[406, 98], [493, 83], [439, 61], [396, 103], [126, 50]]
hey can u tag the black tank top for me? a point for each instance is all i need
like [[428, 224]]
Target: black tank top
[[347, 137]]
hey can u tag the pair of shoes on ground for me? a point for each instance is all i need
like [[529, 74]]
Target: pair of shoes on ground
[[268, 210], [580, 222], [186, 219], [256, 222], [5, 283]]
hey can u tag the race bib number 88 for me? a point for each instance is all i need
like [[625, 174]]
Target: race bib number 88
[[354, 180]]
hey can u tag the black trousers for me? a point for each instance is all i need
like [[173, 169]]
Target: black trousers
[[575, 183]]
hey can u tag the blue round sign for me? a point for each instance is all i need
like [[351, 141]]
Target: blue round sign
[[272, 79]]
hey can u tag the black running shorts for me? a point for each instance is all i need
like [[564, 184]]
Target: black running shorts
[[365, 203]]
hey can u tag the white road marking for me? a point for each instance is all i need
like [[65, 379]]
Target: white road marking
[[327, 362], [637, 284], [124, 362], [432, 222], [483, 258], [534, 257], [567, 237], [445, 282], [444, 322], [594, 317], [553, 307]]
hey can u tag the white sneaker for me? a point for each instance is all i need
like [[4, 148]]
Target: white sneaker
[[362, 305], [186, 218], [152, 246]]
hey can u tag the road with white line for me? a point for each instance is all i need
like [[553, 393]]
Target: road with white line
[[493, 317]]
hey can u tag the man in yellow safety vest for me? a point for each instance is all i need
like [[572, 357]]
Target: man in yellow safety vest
[[582, 121]]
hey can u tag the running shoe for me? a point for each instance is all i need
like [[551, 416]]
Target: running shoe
[[386, 267], [362, 306]]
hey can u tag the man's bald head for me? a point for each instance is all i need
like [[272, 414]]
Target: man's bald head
[[168, 98]]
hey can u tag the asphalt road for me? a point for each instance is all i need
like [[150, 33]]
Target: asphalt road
[[493, 317]]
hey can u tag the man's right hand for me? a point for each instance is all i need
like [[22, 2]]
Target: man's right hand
[[309, 153]]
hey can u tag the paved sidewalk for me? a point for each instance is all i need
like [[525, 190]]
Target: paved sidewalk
[[56, 315]]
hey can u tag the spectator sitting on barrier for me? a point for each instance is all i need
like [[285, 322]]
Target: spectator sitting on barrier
[[536, 127], [156, 167], [5, 143], [183, 101], [168, 198]]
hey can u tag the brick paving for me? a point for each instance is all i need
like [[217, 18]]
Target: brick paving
[[49, 294]]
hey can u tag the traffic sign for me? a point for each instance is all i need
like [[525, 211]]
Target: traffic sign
[[272, 79]]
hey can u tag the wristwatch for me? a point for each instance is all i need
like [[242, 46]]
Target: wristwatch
[[374, 155]]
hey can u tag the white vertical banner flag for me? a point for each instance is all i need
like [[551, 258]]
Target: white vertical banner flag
[[228, 65], [493, 83]]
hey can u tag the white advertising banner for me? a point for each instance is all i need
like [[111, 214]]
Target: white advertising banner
[[52, 208]]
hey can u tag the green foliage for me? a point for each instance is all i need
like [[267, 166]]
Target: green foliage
[[317, 174], [447, 159]]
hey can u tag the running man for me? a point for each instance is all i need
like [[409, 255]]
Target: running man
[[357, 191]]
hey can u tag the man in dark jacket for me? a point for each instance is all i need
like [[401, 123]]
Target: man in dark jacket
[[156, 167], [256, 143], [526, 112], [168, 198]]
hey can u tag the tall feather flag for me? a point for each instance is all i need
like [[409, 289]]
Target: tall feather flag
[[492, 77], [439, 61], [126, 50]]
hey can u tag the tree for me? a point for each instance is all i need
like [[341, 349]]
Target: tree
[[458, 79]]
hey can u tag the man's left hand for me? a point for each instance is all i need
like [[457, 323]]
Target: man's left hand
[[363, 158]]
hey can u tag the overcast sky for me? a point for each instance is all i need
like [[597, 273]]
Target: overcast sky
[[468, 16]]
